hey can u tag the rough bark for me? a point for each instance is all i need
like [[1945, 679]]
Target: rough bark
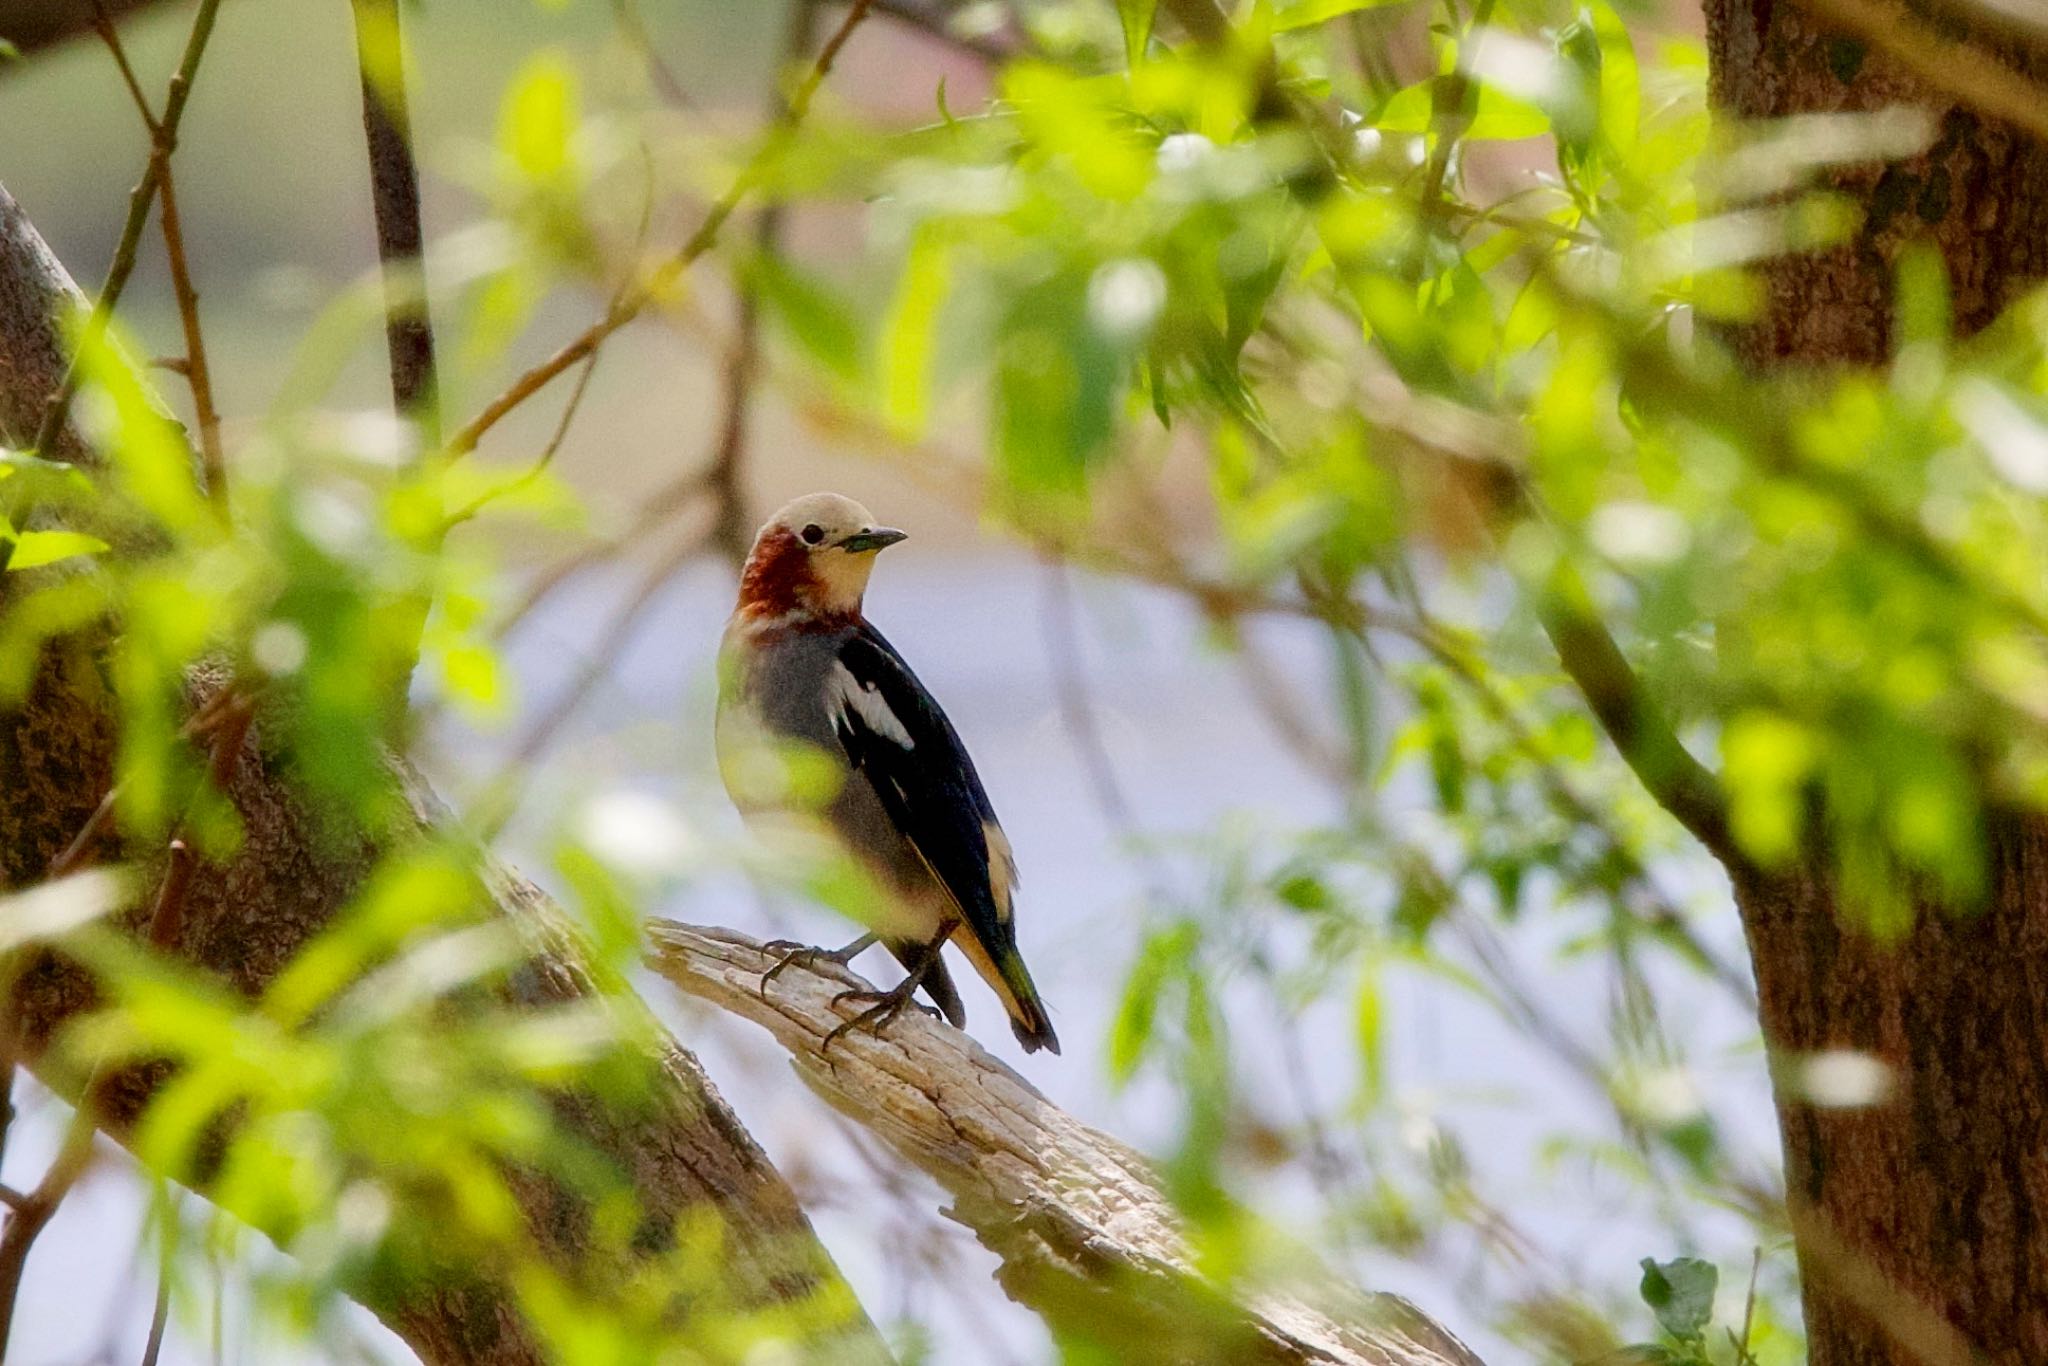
[[1922, 1222], [243, 921], [1086, 1236], [1979, 192]]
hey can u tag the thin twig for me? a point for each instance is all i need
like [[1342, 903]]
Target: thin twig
[[626, 16], [160, 1316], [721, 474], [167, 918], [37, 1208], [632, 304], [193, 367], [395, 198], [74, 852], [197, 373], [732, 438], [666, 502], [934, 19], [103, 24], [1743, 1356], [201, 722], [597, 665], [469, 510], [162, 145]]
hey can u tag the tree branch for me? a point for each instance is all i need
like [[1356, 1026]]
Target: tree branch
[[395, 197], [163, 142], [1086, 1235]]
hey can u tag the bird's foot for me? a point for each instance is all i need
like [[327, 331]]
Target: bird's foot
[[810, 955], [885, 1006]]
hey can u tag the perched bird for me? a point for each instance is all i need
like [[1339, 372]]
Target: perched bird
[[799, 663]]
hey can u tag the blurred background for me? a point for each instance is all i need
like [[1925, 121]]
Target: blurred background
[[1144, 771]]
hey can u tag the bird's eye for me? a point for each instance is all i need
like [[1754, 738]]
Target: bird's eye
[[812, 534]]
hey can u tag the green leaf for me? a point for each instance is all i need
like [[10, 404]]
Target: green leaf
[[1369, 1020], [1621, 97], [909, 333], [1681, 1294], [823, 324], [1159, 958], [1496, 115], [1137, 23], [1292, 14], [1058, 380], [33, 549], [539, 114]]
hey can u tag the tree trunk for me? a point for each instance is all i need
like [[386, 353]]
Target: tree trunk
[[1980, 192], [681, 1148], [1922, 1222]]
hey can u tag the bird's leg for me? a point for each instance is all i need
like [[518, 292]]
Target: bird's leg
[[887, 1005], [810, 955]]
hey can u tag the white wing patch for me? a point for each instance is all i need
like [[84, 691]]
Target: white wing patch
[[866, 702], [1002, 868]]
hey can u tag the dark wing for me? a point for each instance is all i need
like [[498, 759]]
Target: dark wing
[[895, 734]]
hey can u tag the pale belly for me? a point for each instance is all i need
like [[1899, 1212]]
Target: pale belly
[[807, 813]]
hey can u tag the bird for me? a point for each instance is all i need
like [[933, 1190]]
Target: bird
[[800, 665]]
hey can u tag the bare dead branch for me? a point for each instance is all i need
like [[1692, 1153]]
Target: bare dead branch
[[1086, 1234]]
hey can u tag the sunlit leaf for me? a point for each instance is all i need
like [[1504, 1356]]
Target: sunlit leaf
[[33, 549]]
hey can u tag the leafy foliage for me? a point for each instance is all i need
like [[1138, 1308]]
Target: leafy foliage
[[1405, 321]]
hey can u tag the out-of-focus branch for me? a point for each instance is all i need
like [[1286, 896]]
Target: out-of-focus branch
[[1086, 1235], [395, 198], [632, 27], [939, 20]]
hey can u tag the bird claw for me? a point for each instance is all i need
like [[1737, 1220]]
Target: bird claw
[[810, 955], [885, 1007]]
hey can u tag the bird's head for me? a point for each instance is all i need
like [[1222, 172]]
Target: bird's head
[[812, 559]]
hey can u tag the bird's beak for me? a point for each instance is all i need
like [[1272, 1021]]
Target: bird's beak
[[874, 538]]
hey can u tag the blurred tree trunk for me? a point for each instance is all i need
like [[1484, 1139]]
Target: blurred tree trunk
[[1922, 1221]]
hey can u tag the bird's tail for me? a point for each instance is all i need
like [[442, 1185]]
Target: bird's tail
[[1003, 969]]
